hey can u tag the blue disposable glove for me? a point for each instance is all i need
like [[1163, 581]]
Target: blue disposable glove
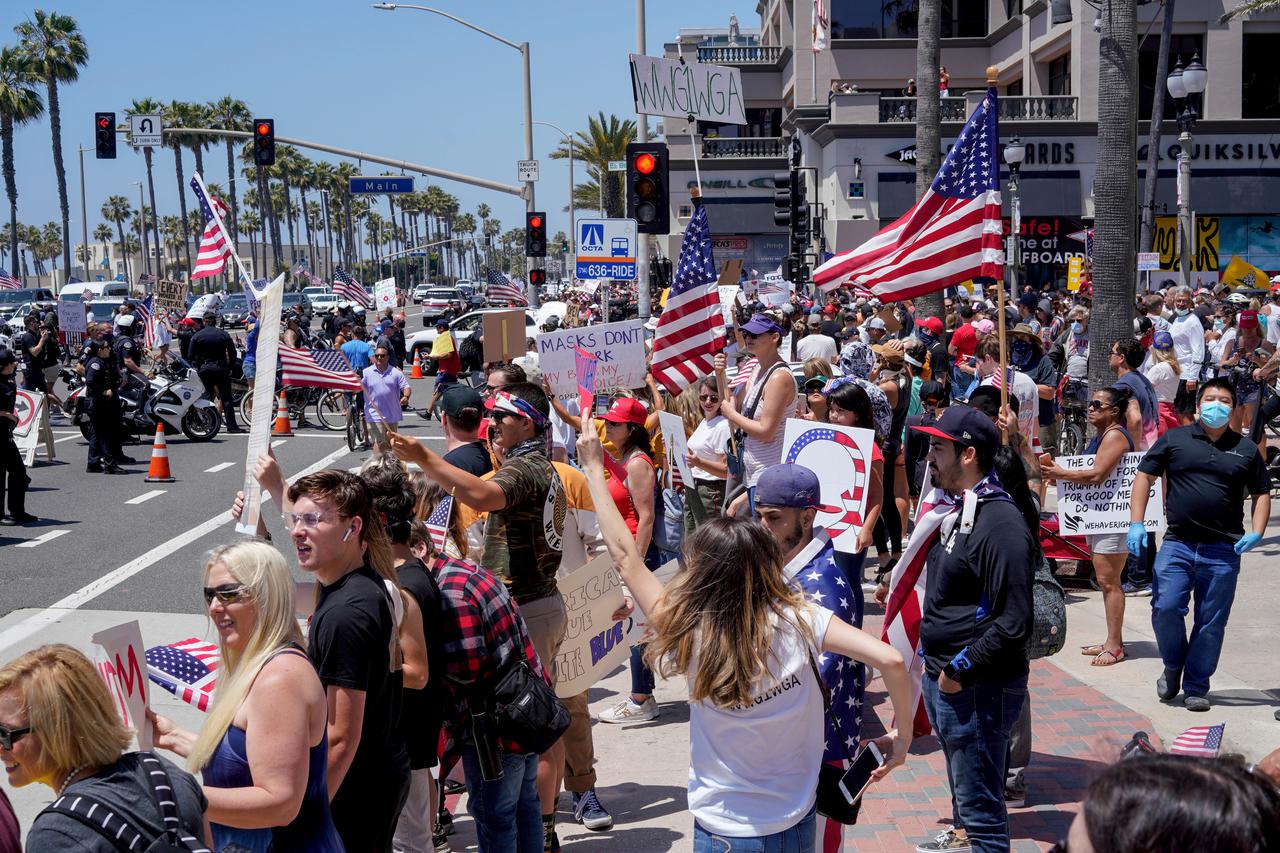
[[1247, 541], [1137, 537]]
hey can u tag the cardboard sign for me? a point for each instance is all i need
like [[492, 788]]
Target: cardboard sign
[[121, 660], [676, 444], [384, 293], [171, 295], [841, 457], [891, 324], [730, 273], [71, 317], [618, 346], [594, 644], [504, 335], [1104, 508]]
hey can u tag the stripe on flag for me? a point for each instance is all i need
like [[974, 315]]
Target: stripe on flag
[[8, 282], [1203, 741], [502, 287], [348, 289], [188, 669], [438, 523], [691, 329], [214, 250], [317, 368]]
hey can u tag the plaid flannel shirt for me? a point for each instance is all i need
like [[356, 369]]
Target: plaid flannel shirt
[[482, 625]]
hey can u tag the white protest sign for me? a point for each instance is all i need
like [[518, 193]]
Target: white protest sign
[[121, 660], [204, 304], [263, 412], [71, 317], [619, 346], [594, 644], [728, 295], [774, 289], [841, 457], [384, 292], [1104, 508], [589, 285], [673, 87], [675, 444], [640, 631]]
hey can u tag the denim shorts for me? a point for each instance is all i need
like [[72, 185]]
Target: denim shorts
[[249, 370]]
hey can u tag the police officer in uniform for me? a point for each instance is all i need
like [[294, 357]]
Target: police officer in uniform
[[11, 465], [102, 384], [213, 353], [128, 355]]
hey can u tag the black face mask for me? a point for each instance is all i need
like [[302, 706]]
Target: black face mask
[[1021, 353]]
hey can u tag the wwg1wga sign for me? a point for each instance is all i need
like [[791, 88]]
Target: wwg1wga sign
[[842, 461]]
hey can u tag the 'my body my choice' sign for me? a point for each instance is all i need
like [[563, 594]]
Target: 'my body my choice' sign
[[669, 87]]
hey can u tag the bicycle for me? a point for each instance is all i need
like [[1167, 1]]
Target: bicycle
[[357, 428], [330, 405], [1075, 422]]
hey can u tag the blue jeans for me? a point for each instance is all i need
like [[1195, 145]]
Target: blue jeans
[[1209, 571], [641, 676], [793, 839], [973, 726], [507, 813]]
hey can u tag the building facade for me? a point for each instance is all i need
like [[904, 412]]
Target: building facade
[[852, 109]]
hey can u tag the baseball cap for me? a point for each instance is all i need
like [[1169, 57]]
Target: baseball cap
[[789, 485], [759, 324], [965, 426], [933, 324], [875, 323], [891, 356], [625, 410], [819, 382], [442, 323], [1248, 319], [1162, 340], [458, 397], [984, 327]]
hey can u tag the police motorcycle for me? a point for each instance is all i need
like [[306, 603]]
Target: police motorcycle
[[174, 395]]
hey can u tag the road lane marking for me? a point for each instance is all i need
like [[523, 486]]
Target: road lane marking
[[146, 496], [278, 442], [221, 466], [40, 540], [66, 438], [38, 621]]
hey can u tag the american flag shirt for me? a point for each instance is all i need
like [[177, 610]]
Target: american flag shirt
[[815, 572]]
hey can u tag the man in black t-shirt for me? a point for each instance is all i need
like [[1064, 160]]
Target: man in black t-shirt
[[461, 407], [37, 349], [355, 649], [213, 353]]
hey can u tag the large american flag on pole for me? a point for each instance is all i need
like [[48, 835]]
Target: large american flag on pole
[[317, 368], [215, 248], [8, 282], [146, 314], [188, 669], [691, 329], [951, 235], [501, 286], [347, 288]]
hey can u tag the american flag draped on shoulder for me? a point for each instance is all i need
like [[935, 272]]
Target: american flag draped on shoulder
[[348, 289], [214, 250], [691, 329], [8, 282], [317, 368], [952, 234], [188, 669], [502, 287]]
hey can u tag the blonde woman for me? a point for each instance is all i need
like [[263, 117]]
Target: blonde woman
[[1162, 371], [263, 748], [60, 727]]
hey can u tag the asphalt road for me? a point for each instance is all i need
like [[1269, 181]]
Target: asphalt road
[[119, 543]]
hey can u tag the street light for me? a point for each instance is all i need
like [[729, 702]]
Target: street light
[[1186, 85], [573, 243], [142, 227], [1014, 153]]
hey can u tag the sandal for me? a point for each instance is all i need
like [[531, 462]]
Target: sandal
[[1092, 651], [1109, 658]]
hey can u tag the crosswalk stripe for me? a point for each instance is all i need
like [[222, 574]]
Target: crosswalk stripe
[[146, 496], [40, 540], [221, 466]]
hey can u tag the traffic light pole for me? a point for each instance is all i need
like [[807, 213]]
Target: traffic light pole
[[84, 223], [644, 298]]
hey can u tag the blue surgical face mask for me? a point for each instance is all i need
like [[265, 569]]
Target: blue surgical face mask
[[1214, 414], [1077, 328], [1219, 324], [1182, 312]]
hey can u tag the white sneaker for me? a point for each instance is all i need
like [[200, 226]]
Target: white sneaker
[[628, 711]]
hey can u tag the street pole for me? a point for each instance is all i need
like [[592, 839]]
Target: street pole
[[643, 296], [568, 140], [142, 227], [1186, 228], [84, 221]]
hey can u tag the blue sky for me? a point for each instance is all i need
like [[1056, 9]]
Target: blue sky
[[404, 84]]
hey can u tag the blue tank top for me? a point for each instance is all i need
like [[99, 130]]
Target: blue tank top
[[1097, 440], [312, 830]]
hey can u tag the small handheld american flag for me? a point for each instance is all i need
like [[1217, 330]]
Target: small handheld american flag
[[188, 669], [317, 368], [438, 522], [1202, 741]]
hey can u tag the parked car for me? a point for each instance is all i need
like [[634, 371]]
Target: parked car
[[463, 328], [436, 303], [15, 324], [322, 302], [12, 300], [87, 291], [316, 290], [289, 300], [234, 311], [420, 293]]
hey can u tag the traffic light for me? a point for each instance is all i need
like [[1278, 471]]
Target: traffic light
[[791, 211], [537, 277], [648, 187], [264, 141], [104, 132], [535, 234]]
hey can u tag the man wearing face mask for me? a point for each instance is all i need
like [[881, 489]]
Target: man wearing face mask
[[1208, 470], [1188, 346], [1027, 354]]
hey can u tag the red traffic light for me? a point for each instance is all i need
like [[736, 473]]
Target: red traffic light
[[535, 221], [263, 128], [645, 163], [104, 122]]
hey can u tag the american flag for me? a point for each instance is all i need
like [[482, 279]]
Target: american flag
[[952, 234], [743, 376], [1203, 741], [348, 289], [317, 368], [8, 282], [146, 315], [214, 248], [502, 287], [188, 669], [691, 329], [773, 285], [438, 522]]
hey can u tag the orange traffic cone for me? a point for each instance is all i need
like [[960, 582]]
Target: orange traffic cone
[[159, 470], [282, 425], [417, 373]]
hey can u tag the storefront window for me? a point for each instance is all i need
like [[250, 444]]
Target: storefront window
[[761, 121], [1260, 76], [1185, 46]]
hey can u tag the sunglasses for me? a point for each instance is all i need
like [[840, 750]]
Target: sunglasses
[[1096, 405], [227, 594], [499, 417], [751, 336], [8, 737], [709, 398]]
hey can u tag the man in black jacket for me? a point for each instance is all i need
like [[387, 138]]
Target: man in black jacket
[[212, 352], [975, 626]]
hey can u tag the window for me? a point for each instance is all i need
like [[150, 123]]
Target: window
[[1060, 75], [1260, 77], [761, 121], [1014, 88], [888, 19], [1012, 8], [1185, 46]]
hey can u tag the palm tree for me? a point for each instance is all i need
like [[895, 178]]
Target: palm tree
[[602, 141], [102, 234], [147, 106], [231, 114], [55, 45], [251, 225], [178, 114], [19, 103], [928, 128], [1249, 7], [116, 209], [1115, 187], [51, 242]]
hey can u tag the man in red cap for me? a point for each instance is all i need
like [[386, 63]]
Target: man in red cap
[[929, 331]]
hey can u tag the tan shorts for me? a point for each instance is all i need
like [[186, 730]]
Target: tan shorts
[[547, 622]]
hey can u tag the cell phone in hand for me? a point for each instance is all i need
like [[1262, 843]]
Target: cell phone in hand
[[602, 404], [855, 780]]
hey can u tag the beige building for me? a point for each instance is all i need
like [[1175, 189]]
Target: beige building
[[850, 108]]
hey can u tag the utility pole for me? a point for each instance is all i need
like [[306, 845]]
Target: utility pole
[[643, 296], [84, 222]]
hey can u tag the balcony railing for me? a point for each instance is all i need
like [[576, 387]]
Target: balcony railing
[[904, 109], [1012, 108], [746, 146], [757, 54]]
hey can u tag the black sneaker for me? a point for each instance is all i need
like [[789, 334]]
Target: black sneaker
[[93, 469], [588, 811], [1168, 685], [440, 842]]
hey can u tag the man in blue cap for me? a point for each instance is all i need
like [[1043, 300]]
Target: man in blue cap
[[788, 497]]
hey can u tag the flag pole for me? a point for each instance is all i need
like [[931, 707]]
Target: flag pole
[[993, 77], [222, 229]]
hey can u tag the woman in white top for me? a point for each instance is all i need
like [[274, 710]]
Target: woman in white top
[[706, 457], [1162, 373], [745, 642], [761, 410]]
